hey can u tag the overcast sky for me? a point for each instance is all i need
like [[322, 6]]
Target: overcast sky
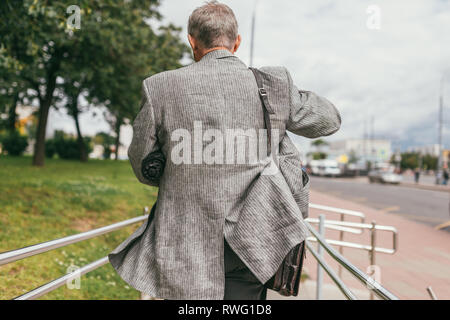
[[335, 49]]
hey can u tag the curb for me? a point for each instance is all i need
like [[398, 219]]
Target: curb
[[425, 187]]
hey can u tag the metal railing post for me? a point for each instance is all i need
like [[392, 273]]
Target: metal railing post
[[341, 286], [431, 293], [341, 249], [373, 240], [320, 254], [378, 289]]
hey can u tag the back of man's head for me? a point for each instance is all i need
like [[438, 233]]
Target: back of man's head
[[213, 25]]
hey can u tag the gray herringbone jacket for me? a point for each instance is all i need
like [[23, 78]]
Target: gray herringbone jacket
[[179, 254]]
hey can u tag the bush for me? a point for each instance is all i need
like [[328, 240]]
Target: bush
[[65, 147], [14, 143], [50, 148]]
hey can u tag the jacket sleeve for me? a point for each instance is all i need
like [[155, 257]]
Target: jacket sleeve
[[144, 143], [311, 116]]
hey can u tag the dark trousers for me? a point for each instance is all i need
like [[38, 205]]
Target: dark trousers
[[240, 282]]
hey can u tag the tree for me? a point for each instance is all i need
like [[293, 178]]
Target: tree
[[430, 162], [353, 158], [137, 53], [113, 51], [9, 99], [319, 143], [155, 52], [73, 91], [411, 160], [319, 153], [12, 90], [34, 34]]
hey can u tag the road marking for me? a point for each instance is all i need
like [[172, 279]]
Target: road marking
[[390, 209], [442, 225]]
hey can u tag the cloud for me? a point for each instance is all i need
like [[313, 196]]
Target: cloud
[[392, 74]]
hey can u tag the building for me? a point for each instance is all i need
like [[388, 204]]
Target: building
[[361, 150]]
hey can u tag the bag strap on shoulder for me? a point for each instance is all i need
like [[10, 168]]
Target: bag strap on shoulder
[[267, 109]]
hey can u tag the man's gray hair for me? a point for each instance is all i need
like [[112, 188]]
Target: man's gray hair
[[214, 25]]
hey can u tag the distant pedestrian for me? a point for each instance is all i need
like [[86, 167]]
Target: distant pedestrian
[[438, 176], [417, 175], [445, 177]]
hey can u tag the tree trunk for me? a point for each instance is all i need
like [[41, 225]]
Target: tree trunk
[[44, 107], [117, 129], [39, 147], [12, 116], [81, 145]]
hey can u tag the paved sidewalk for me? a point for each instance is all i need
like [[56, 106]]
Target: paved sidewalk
[[307, 291], [422, 259], [424, 179], [426, 186]]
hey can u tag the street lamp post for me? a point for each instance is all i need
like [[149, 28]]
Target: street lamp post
[[252, 36], [441, 120]]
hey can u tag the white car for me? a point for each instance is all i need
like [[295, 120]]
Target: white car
[[384, 176], [325, 167]]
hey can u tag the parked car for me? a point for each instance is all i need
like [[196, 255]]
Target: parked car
[[326, 167], [383, 175]]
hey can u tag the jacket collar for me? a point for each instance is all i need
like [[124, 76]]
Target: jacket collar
[[217, 54]]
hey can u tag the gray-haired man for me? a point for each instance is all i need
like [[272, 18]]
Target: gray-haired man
[[220, 228]]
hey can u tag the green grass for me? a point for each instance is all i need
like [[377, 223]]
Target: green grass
[[61, 199]]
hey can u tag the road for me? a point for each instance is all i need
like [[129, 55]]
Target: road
[[425, 206]]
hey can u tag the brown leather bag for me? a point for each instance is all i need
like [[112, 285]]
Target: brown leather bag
[[287, 278]]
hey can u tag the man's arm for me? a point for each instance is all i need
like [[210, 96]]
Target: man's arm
[[311, 116], [144, 136]]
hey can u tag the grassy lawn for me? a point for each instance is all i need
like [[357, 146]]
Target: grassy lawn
[[61, 199]]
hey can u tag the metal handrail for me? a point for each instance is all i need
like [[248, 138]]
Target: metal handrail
[[18, 254], [343, 213], [335, 227], [377, 288], [55, 284], [14, 255], [354, 245], [339, 210], [25, 252], [332, 224], [361, 225], [344, 289]]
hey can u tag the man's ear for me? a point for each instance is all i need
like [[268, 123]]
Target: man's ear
[[237, 43], [192, 42]]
